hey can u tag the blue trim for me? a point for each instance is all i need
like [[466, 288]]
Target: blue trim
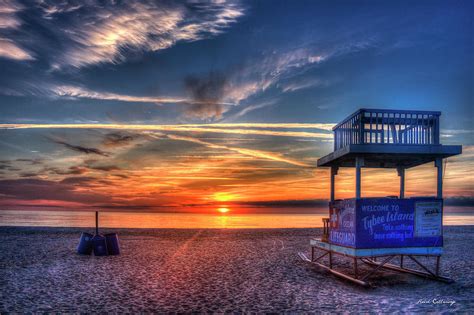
[[370, 252]]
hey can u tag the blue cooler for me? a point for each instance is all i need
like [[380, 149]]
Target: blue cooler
[[100, 245], [85, 244], [113, 246]]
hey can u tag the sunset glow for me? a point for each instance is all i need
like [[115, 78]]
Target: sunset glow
[[223, 210], [152, 106], [175, 170]]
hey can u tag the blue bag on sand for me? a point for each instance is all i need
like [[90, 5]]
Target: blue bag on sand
[[85, 244], [113, 246], [100, 245]]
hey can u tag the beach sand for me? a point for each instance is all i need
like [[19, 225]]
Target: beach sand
[[163, 270]]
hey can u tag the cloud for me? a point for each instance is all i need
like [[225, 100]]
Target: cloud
[[302, 84], [466, 201], [38, 189], [207, 91], [118, 139], [53, 8], [72, 170], [80, 149], [105, 168], [251, 108], [248, 152], [287, 203], [81, 180], [80, 92], [98, 32], [9, 21], [31, 161], [260, 74], [238, 128], [448, 133], [287, 66], [73, 92], [9, 49], [30, 174]]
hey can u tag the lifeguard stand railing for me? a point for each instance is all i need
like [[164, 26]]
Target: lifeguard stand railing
[[382, 126]]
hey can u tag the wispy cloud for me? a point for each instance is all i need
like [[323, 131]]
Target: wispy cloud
[[9, 21], [115, 139], [448, 133], [203, 128], [78, 148], [284, 69], [102, 33], [251, 108], [105, 32], [80, 92], [253, 153], [303, 84], [8, 10], [10, 49], [259, 75]]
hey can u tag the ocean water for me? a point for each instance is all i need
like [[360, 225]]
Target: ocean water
[[184, 220]]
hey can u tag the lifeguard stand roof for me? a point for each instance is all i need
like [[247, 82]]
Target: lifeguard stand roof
[[388, 139]]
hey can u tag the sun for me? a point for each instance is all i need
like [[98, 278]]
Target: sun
[[223, 210]]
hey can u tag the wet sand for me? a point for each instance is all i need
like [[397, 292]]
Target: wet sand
[[245, 270]]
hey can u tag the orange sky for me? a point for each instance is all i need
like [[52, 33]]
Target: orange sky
[[181, 166]]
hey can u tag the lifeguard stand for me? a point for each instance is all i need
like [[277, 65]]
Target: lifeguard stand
[[368, 229]]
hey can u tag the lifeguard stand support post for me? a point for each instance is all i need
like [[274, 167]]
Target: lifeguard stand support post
[[391, 228]]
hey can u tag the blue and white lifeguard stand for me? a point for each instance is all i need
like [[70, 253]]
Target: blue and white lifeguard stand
[[378, 231]]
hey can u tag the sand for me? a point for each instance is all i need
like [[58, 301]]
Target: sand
[[211, 271]]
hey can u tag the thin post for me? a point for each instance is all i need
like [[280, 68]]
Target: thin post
[[401, 173], [333, 182], [97, 222], [359, 163], [439, 166], [436, 130], [437, 265]]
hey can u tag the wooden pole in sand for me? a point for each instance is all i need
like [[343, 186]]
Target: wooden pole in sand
[[97, 223], [401, 173]]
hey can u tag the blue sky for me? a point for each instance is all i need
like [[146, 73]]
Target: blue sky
[[279, 61], [226, 62]]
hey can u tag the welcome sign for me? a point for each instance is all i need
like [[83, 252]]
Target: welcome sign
[[386, 223]]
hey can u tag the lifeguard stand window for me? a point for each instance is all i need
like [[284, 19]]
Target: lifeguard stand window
[[378, 126]]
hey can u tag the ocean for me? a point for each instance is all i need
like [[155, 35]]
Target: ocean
[[452, 216]]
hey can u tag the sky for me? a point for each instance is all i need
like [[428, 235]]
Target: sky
[[170, 105]]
